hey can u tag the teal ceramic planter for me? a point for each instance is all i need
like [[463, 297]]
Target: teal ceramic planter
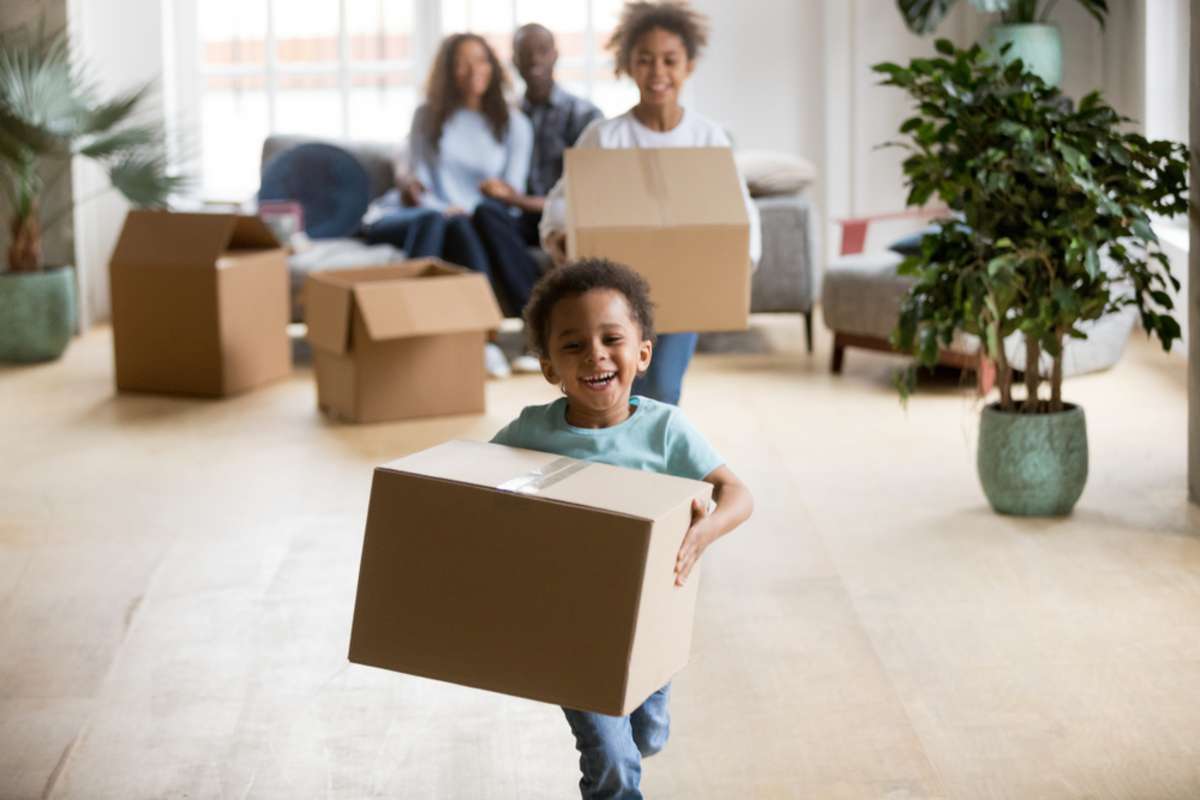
[[1039, 46], [37, 314], [1033, 465]]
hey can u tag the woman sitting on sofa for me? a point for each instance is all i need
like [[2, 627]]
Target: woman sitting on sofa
[[655, 44], [463, 137]]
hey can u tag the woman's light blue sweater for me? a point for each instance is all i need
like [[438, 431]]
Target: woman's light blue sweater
[[468, 154]]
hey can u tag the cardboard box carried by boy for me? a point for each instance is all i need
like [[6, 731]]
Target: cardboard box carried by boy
[[526, 573]]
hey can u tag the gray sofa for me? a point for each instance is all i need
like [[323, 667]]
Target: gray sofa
[[783, 282]]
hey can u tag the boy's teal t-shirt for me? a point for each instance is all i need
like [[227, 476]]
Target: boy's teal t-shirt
[[656, 437]]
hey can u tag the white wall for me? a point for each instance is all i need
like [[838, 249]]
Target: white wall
[[763, 78], [1174, 240], [1193, 295], [860, 115], [864, 115], [123, 51], [1108, 59], [1166, 117], [762, 74], [1166, 66], [863, 178]]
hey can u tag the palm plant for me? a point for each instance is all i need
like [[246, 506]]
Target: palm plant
[[49, 112], [923, 16]]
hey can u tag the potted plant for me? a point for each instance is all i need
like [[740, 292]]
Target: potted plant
[[49, 113], [1053, 205], [1023, 26]]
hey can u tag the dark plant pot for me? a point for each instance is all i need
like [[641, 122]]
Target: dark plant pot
[[1033, 465], [37, 314], [1039, 46]]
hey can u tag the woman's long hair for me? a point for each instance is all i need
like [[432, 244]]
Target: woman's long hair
[[442, 97]]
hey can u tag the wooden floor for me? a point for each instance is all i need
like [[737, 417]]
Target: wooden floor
[[177, 578]]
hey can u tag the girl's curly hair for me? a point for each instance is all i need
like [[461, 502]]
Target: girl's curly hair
[[673, 16]]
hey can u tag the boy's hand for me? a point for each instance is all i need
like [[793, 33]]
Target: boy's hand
[[694, 542]]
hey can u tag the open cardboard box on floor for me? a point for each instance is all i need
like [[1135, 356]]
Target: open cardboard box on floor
[[399, 342], [199, 304], [675, 215], [526, 573]]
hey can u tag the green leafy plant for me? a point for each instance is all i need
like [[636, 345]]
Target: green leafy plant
[[1053, 206], [923, 16], [50, 113]]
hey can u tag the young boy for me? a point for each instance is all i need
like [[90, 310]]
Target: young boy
[[591, 325]]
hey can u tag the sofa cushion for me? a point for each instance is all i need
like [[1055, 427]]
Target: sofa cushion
[[861, 294], [768, 174], [330, 185], [910, 245], [379, 159]]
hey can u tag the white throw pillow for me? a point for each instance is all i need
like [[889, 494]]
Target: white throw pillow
[[767, 173]]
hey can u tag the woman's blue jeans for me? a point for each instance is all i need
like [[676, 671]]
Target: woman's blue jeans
[[419, 232], [611, 749], [469, 241], [663, 381]]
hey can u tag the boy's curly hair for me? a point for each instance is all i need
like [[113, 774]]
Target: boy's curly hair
[[575, 279], [673, 16]]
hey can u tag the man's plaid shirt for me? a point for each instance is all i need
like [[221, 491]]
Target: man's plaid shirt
[[556, 126]]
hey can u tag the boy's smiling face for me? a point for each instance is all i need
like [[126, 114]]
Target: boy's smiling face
[[595, 349]]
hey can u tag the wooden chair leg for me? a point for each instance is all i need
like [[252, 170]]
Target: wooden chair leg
[[808, 331], [839, 354], [985, 375]]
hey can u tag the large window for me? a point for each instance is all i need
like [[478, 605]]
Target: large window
[[349, 69]]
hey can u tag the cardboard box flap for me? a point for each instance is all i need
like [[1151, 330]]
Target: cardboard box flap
[[406, 269], [430, 303], [327, 313], [640, 188], [167, 239], [581, 483], [251, 233]]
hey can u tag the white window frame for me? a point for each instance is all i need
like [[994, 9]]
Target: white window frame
[[185, 74]]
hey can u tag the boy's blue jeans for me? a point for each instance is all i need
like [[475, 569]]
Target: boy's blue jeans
[[611, 748]]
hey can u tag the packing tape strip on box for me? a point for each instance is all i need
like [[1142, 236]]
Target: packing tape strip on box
[[533, 481]]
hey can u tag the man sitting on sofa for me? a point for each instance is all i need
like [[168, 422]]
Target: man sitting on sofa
[[558, 118]]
